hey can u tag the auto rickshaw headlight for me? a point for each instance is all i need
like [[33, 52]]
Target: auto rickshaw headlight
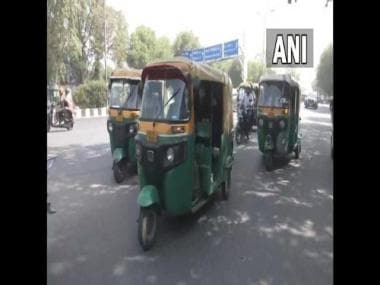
[[131, 129], [109, 126], [138, 151], [170, 154], [282, 124], [261, 122]]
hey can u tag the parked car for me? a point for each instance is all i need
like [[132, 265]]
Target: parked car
[[311, 102]]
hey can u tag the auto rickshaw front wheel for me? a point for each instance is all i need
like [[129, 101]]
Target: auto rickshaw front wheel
[[119, 171], [147, 227], [268, 161]]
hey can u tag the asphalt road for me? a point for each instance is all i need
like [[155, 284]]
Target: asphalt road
[[276, 228]]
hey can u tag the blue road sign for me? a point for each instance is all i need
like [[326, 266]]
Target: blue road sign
[[187, 54], [197, 54], [231, 48], [213, 52]]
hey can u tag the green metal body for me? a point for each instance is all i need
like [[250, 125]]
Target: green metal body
[[122, 144], [199, 173]]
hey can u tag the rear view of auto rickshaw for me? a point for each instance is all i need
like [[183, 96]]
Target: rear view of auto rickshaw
[[184, 145], [124, 108], [278, 118], [245, 102]]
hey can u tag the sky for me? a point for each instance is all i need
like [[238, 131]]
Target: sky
[[220, 21]]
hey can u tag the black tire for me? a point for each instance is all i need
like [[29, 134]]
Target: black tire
[[119, 171], [147, 227], [297, 151], [226, 186], [268, 161]]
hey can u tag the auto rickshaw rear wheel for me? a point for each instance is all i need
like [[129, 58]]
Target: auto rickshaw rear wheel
[[297, 151], [268, 161], [147, 227], [226, 186], [119, 171]]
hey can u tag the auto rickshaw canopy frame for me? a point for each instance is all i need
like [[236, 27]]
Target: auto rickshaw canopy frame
[[188, 68]]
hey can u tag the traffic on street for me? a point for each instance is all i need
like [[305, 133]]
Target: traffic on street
[[275, 228]]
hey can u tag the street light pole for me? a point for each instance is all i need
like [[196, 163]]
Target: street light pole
[[105, 42]]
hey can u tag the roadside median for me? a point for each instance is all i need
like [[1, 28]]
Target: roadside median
[[90, 112]]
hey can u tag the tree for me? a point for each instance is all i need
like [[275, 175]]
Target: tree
[[235, 72], [255, 70], [325, 71], [163, 48], [142, 47], [75, 39], [120, 41], [232, 67], [58, 34], [184, 41]]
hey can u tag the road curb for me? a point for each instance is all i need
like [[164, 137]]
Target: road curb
[[90, 112]]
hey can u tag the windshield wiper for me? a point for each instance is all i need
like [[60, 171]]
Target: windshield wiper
[[166, 103]]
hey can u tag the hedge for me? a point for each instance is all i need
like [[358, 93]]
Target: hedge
[[91, 94]]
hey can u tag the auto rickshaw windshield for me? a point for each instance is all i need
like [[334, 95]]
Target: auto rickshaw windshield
[[272, 94], [124, 95], [165, 100]]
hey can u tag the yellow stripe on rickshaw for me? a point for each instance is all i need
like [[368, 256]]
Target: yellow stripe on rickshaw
[[272, 112], [166, 128], [123, 114]]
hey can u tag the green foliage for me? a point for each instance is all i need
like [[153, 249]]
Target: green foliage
[[235, 72], [325, 71], [184, 41], [142, 47], [232, 67], [163, 48], [75, 39], [91, 94], [255, 70]]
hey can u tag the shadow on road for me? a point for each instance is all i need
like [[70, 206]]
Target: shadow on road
[[276, 225]]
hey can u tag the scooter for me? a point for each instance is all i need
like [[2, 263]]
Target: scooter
[[62, 118]]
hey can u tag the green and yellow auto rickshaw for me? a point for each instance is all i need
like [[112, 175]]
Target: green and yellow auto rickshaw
[[124, 108], [184, 145], [278, 117]]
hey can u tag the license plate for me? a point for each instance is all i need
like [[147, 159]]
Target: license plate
[[151, 136]]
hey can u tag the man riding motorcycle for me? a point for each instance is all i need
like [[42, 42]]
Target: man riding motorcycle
[[245, 110], [65, 111]]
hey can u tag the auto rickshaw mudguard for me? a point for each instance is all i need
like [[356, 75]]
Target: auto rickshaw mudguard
[[148, 196], [118, 154]]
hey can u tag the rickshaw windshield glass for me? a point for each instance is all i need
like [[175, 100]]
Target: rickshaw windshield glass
[[165, 99], [271, 94], [124, 95]]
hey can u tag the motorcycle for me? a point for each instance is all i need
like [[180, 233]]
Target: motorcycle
[[60, 116]]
